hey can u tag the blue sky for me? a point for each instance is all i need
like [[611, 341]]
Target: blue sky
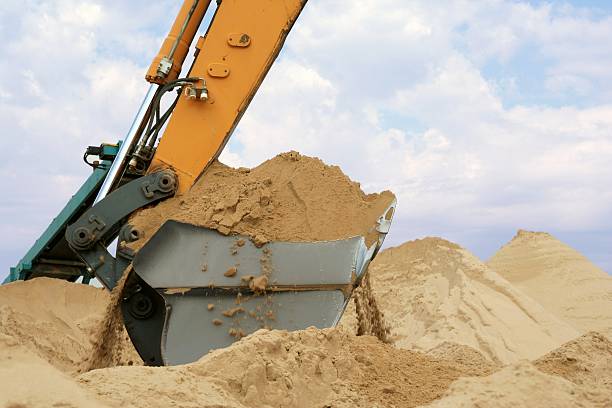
[[482, 116]]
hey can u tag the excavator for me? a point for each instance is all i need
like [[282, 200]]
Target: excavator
[[164, 296]]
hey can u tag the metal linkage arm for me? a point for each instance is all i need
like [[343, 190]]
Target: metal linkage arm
[[97, 227]]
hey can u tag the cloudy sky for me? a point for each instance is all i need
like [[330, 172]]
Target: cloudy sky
[[482, 116]]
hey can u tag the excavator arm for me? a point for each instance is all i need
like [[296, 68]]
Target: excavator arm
[[231, 61], [164, 296]]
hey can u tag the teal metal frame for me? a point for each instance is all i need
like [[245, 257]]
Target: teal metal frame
[[59, 223]]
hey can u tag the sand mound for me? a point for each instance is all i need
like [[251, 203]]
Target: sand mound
[[369, 319], [432, 291], [54, 319], [288, 198], [558, 277], [60, 322], [586, 360], [309, 368], [577, 374], [27, 380], [520, 385], [468, 358]]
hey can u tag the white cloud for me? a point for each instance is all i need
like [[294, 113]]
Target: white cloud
[[59, 92], [439, 133]]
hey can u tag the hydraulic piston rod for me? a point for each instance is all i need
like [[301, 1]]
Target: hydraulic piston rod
[[116, 170]]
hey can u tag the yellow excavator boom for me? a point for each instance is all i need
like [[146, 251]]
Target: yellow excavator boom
[[232, 59]]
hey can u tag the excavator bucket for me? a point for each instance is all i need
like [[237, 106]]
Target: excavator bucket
[[192, 289]]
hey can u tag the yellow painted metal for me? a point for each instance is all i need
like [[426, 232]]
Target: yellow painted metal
[[218, 70], [198, 130], [239, 40], [182, 48]]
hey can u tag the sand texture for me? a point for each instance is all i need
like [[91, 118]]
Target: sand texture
[[27, 380], [287, 198], [558, 277], [309, 368], [577, 374], [52, 318], [432, 291], [430, 324], [586, 361], [521, 385]]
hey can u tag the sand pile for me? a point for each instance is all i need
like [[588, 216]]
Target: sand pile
[[52, 318], [27, 380], [520, 385], [566, 283], [432, 291], [287, 198], [62, 323], [269, 368], [578, 374], [309, 368], [586, 360]]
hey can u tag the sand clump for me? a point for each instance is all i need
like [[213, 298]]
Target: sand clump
[[559, 278], [290, 197], [287, 198], [432, 291]]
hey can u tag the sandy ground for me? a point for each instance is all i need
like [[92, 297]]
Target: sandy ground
[[456, 352], [300, 369]]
